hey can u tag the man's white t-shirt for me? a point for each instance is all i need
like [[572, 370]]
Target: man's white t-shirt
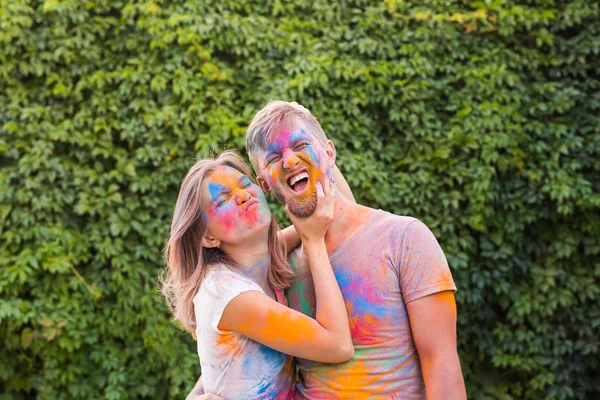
[[233, 365]]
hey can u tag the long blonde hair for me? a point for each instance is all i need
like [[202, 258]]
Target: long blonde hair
[[185, 257]]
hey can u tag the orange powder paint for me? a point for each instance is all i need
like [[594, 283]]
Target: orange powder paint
[[283, 326]]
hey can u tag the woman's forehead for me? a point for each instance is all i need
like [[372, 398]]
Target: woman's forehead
[[225, 172]]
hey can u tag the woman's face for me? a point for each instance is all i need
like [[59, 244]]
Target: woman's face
[[234, 207]]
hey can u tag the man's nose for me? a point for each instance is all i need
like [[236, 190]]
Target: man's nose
[[290, 160], [241, 197]]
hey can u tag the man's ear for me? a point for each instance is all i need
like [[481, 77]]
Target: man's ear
[[263, 185], [330, 150], [210, 242]]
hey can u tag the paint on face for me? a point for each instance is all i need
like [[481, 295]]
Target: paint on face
[[234, 206], [292, 164]]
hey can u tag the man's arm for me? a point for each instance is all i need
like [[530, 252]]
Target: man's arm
[[433, 325]]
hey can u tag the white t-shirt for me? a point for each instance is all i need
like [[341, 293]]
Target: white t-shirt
[[233, 365]]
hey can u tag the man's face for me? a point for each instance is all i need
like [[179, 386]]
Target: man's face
[[291, 165]]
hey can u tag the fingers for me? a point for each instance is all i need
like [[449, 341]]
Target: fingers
[[321, 190], [329, 189], [326, 186]]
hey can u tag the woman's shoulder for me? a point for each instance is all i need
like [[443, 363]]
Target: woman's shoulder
[[219, 287], [221, 281]]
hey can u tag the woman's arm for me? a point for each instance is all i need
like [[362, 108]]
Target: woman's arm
[[326, 339], [262, 319], [290, 236]]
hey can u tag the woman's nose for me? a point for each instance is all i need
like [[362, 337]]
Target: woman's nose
[[242, 197]]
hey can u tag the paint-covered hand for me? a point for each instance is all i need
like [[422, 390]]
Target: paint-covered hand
[[313, 228]]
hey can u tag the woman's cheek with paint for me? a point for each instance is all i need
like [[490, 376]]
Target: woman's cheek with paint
[[222, 220], [229, 223]]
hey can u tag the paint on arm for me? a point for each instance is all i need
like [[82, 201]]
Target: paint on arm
[[262, 319]]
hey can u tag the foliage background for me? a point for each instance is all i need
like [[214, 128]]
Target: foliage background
[[479, 117]]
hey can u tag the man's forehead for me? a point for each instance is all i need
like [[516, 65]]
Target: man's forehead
[[285, 136]]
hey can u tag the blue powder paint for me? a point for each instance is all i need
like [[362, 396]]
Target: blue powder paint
[[353, 288], [274, 361], [216, 189]]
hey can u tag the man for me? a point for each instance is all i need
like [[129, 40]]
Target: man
[[392, 272]]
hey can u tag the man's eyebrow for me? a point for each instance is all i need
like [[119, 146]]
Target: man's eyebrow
[[269, 153]]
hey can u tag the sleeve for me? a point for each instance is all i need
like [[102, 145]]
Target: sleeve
[[221, 287], [423, 269]]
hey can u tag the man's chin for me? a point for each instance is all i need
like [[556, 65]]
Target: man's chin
[[302, 208]]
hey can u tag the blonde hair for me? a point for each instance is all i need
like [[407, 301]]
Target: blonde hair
[[276, 112], [185, 257]]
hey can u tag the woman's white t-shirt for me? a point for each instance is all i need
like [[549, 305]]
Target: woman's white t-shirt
[[233, 365]]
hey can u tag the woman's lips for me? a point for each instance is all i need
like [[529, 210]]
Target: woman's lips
[[250, 203]]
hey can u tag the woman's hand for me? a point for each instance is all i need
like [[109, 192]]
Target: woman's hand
[[313, 228]]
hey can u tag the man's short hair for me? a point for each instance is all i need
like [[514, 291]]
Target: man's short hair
[[262, 128]]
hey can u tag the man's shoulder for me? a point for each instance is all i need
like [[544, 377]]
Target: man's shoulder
[[397, 223]]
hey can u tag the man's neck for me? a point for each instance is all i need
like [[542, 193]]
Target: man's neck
[[347, 219]]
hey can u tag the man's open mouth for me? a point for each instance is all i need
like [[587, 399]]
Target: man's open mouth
[[298, 182]]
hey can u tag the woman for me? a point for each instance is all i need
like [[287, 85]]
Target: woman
[[226, 272]]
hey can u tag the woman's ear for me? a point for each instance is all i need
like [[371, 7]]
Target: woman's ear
[[330, 150], [263, 185], [210, 242]]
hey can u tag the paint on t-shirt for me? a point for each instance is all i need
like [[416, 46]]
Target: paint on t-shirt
[[233, 365], [388, 262]]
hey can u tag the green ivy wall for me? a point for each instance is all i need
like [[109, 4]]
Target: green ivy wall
[[481, 118]]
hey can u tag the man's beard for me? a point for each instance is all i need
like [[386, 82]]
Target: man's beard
[[305, 207]]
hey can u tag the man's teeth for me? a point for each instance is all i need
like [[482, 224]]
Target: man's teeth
[[296, 178]]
